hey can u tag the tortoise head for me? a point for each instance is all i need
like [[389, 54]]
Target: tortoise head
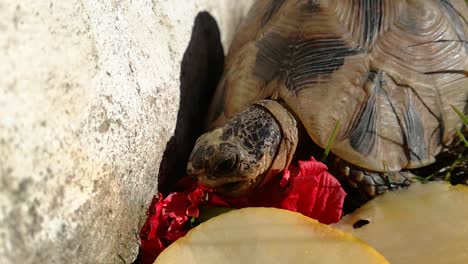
[[244, 153]]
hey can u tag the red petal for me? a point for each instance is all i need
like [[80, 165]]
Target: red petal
[[175, 234], [196, 197], [150, 249], [291, 171], [193, 211], [217, 200], [175, 206], [151, 243], [286, 177], [314, 192], [149, 229]]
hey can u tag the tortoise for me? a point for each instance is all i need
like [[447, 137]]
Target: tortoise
[[385, 73]]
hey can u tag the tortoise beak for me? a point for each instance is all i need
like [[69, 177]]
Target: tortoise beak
[[231, 187]]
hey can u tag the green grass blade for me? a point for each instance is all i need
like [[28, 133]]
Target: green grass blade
[[460, 135], [448, 175], [388, 179], [421, 179], [462, 116], [331, 140]]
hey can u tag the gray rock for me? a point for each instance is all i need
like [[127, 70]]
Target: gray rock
[[90, 93]]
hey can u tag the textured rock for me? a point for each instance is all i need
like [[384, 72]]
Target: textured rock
[[89, 98]]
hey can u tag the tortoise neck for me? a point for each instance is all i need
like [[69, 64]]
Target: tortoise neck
[[289, 136]]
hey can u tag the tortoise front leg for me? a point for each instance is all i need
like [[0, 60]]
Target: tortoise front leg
[[372, 183]]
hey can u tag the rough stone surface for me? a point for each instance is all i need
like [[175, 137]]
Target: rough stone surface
[[89, 98]]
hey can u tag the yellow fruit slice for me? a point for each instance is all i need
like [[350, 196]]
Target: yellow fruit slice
[[267, 235], [427, 223]]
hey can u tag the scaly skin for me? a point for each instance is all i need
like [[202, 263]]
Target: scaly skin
[[247, 151]]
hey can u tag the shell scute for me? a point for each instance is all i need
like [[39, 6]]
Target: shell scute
[[389, 70]]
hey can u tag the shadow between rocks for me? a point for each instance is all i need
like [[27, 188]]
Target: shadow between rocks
[[201, 69]]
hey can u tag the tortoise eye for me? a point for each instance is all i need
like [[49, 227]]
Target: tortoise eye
[[226, 165]]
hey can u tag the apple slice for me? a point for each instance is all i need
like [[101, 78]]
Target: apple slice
[[427, 223], [267, 235]]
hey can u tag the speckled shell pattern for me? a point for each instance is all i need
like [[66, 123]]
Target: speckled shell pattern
[[387, 70]]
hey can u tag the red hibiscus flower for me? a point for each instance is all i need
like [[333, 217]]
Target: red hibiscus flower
[[306, 188], [313, 192], [168, 219]]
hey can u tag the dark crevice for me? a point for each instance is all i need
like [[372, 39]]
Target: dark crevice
[[201, 69]]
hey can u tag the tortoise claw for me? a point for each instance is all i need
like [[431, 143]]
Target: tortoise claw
[[376, 183], [371, 184]]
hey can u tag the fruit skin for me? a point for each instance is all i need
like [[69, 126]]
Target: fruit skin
[[267, 235], [405, 225]]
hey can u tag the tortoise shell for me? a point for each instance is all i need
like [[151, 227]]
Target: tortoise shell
[[387, 70]]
